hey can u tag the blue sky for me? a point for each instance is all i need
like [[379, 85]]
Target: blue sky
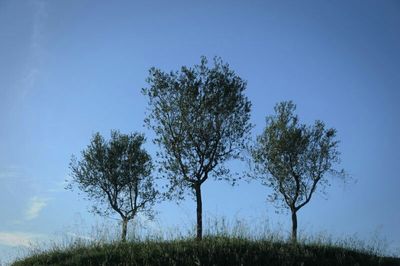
[[71, 68]]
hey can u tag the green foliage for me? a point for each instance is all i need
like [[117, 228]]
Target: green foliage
[[210, 251], [116, 174], [294, 158], [201, 119]]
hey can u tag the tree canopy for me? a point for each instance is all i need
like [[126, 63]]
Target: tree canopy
[[116, 174], [201, 119], [295, 159]]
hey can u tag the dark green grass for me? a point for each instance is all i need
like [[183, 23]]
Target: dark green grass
[[220, 250]]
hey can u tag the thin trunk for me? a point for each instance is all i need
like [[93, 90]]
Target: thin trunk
[[124, 229], [294, 226], [199, 212]]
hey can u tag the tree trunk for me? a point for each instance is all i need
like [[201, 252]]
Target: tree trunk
[[199, 211], [124, 229], [294, 227]]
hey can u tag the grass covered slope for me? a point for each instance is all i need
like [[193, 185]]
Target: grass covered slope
[[210, 251]]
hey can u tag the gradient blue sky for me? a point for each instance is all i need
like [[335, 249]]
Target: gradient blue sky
[[71, 68]]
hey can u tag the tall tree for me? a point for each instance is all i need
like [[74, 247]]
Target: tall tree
[[117, 175], [201, 119], [294, 159]]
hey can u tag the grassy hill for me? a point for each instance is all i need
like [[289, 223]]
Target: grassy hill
[[210, 251]]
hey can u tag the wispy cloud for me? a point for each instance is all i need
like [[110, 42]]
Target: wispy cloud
[[15, 239], [8, 173], [39, 9], [36, 204], [36, 49]]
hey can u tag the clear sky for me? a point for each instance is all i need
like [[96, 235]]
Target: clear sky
[[71, 68]]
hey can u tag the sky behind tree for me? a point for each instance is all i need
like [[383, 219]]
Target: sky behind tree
[[71, 68]]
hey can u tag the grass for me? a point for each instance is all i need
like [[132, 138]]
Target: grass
[[210, 251], [224, 244]]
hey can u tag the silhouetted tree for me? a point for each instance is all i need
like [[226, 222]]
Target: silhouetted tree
[[293, 158], [201, 119], [117, 175]]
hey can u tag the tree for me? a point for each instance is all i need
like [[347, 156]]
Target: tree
[[294, 159], [117, 175], [201, 120]]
